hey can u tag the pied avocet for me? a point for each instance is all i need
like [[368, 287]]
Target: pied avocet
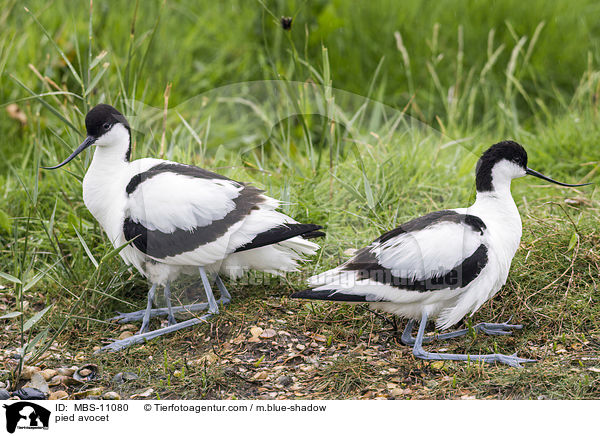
[[443, 265], [181, 218]]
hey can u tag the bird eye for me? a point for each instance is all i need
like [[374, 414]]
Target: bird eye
[[106, 126]]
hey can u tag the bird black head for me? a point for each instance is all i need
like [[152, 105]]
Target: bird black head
[[105, 126], [101, 118], [508, 151], [503, 162]]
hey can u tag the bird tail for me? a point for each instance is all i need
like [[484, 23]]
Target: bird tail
[[313, 234], [276, 251], [282, 233], [329, 295], [340, 285]]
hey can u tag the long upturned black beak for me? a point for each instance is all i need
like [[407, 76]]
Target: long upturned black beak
[[85, 144], [543, 177]]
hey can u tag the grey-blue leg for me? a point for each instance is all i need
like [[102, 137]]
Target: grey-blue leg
[[212, 303], [171, 317], [225, 295], [419, 352], [146, 319], [125, 318], [493, 329], [170, 311], [406, 337], [141, 338]]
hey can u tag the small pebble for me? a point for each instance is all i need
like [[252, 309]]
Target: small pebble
[[127, 376], [125, 335], [256, 331], [66, 371], [90, 394], [64, 380], [28, 372], [144, 394], [118, 378], [56, 380], [86, 373], [268, 333], [111, 396], [38, 382], [262, 375], [48, 373], [58, 395], [124, 376], [284, 380]]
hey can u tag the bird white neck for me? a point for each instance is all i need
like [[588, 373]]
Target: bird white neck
[[114, 145], [109, 159], [497, 200], [499, 212], [104, 187]]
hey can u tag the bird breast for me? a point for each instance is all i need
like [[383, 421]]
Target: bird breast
[[504, 229], [106, 202], [104, 193]]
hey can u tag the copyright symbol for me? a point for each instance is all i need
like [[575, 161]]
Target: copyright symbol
[[147, 407]]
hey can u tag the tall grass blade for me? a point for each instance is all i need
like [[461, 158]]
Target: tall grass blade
[[86, 248], [10, 278], [35, 318]]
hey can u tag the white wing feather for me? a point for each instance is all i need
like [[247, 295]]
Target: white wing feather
[[168, 201], [418, 255], [428, 253]]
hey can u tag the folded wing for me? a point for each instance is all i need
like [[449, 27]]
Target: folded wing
[[184, 215], [441, 250]]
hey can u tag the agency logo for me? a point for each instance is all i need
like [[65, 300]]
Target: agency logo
[[26, 415]]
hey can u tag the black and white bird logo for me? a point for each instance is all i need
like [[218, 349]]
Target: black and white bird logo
[[26, 415]]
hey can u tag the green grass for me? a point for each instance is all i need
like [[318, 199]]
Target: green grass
[[469, 74]]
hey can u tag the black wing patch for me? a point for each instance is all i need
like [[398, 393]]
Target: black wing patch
[[181, 169], [330, 295], [366, 266], [281, 233], [160, 245]]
